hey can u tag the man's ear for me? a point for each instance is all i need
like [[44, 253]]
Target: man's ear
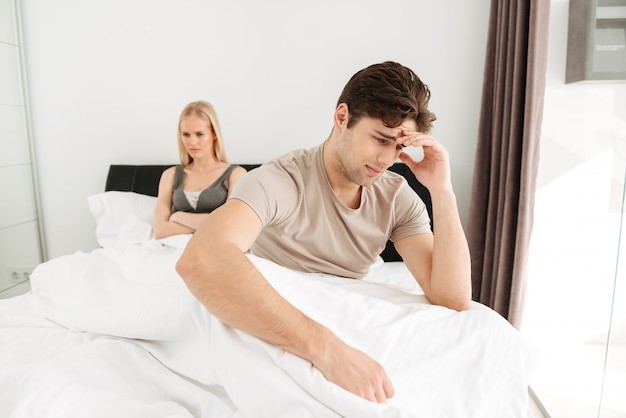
[[341, 116]]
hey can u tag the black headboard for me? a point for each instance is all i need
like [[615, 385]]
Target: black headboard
[[144, 179]]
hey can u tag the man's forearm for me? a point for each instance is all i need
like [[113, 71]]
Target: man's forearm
[[231, 288], [218, 273], [451, 269]]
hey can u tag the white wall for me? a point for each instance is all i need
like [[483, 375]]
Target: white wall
[[109, 78]]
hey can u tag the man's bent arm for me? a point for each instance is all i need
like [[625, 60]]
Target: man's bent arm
[[441, 263], [225, 281]]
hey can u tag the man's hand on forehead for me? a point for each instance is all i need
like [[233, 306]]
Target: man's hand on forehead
[[411, 141], [406, 137]]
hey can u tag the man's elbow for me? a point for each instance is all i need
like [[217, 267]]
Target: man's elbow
[[184, 267], [460, 305]]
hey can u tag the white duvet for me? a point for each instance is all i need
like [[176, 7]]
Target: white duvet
[[115, 333]]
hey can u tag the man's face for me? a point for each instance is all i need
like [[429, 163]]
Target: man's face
[[368, 148]]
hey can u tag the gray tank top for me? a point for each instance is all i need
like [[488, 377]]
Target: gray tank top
[[210, 198]]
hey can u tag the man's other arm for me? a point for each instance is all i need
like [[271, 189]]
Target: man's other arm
[[216, 270]]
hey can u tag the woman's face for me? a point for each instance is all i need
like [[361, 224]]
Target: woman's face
[[197, 136]]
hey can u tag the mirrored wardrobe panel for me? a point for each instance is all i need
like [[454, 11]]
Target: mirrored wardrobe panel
[[21, 240]]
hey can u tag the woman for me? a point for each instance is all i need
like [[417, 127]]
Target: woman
[[204, 180]]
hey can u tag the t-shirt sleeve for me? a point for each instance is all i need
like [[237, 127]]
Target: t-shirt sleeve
[[411, 215], [269, 191]]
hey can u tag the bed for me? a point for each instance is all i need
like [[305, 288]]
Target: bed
[[115, 333]]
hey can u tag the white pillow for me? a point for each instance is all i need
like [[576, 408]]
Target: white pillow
[[393, 273], [122, 217]]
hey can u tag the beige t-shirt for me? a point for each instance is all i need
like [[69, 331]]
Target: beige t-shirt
[[307, 228]]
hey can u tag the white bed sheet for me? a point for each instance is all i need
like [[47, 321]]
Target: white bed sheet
[[115, 332]]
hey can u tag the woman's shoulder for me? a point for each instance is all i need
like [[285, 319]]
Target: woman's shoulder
[[236, 173], [169, 172], [237, 169], [166, 182]]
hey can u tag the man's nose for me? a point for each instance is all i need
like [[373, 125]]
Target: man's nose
[[387, 156]]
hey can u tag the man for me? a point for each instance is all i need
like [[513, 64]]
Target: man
[[331, 209]]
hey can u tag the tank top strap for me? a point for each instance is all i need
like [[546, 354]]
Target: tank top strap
[[225, 175], [178, 177]]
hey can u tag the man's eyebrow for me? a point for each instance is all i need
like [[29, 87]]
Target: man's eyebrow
[[386, 136]]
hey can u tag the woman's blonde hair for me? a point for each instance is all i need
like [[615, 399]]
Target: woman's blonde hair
[[205, 111]]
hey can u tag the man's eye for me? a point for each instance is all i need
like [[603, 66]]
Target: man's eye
[[381, 141]]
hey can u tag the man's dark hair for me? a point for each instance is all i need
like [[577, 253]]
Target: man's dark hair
[[390, 92]]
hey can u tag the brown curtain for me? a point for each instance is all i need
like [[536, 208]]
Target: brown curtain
[[501, 207]]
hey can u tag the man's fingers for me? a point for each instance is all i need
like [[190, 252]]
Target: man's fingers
[[357, 373], [383, 392], [380, 396], [388, 388]]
